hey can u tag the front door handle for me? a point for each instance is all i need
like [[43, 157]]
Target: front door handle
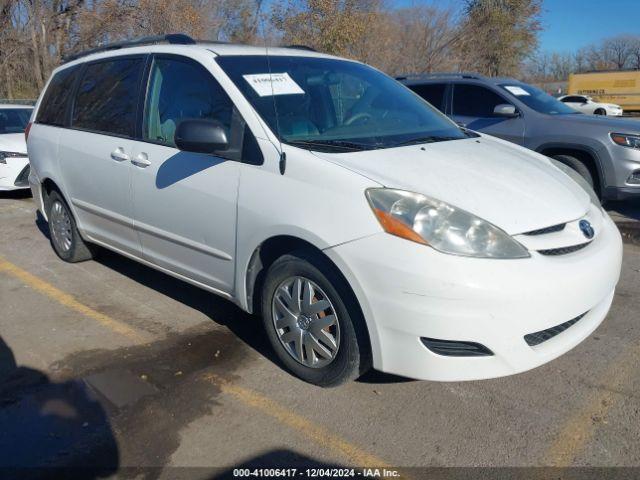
[[119, 156], [141, 160]]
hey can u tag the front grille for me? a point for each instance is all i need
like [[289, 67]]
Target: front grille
[[563, 250], [552, 229], [454, 348], [23, 178], [537, 338]]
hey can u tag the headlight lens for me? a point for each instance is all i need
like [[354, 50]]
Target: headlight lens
[[579, 179], [448, 229], [5, 155], [626, 140]]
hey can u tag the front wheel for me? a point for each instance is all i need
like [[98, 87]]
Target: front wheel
[[600, 111], [312, 320], [577, 165]]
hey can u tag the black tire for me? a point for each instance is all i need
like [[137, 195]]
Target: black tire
[[600, 111], [578, 166], [78, 250], [352, 358]]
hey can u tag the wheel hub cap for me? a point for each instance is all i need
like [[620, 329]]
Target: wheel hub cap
[[60, 224], [306, 322]]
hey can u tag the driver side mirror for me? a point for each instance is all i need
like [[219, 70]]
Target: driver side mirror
[[201, 136], [505, 110]]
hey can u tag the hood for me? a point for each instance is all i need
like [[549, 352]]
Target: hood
[[13, 142], [620, 124], [513, 188]]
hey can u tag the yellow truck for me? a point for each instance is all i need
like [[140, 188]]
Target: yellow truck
[[616, 86]]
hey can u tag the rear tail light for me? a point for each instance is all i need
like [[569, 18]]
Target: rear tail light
[[26, 131]]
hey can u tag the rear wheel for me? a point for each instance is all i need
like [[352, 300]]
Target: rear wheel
[[312, 320], [63, 232], [577, 165]]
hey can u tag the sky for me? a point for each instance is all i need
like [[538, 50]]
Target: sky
[[571, 24]]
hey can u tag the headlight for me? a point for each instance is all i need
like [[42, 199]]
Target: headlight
[[579, 179], [5, 155], [626, 140], [442, 226]]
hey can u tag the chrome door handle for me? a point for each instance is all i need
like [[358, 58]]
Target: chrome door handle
[[118, 155], [141, 160]]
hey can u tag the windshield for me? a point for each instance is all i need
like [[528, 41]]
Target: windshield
[[537, 99], [14, 120], [330, 104]]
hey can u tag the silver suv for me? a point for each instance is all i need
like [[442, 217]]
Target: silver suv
[[605, 151]]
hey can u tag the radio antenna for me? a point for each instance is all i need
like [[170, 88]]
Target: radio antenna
[[283, 155]]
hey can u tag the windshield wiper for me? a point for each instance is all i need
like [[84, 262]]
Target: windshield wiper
[[429, 139], [333, 144]]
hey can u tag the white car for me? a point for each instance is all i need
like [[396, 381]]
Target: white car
[[364, 226], [14, 163], [585, 104]]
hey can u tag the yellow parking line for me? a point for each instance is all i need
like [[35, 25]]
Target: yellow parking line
[[581, 426], [318, 434], [68, 300]]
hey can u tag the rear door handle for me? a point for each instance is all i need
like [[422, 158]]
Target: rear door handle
[[141, 160], [119, 156]]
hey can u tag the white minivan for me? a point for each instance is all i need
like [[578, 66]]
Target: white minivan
[[366, 228]]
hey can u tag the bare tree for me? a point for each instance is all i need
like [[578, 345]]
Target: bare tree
[[618, 50], [634, 53], [499, 34], [332, 26], [428, 36]]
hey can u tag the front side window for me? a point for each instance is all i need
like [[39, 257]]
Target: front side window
[[432, 93], [14, 120], [475, 101], [180, 90], [107, 97], [53, 107], [538, 100], [330, 104]]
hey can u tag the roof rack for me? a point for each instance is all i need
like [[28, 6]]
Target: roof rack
[[424, 76], [171, 38], [300, 47]]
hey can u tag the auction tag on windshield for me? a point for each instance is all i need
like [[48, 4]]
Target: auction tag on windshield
[[516, 90], [266, 84]]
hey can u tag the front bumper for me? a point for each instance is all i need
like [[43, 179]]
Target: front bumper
[[408, 291], [623, 162], [14, 174]]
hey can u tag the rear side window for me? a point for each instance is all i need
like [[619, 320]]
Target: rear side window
[[53, 107], [475, 101], [107, 97], [432, 93]]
